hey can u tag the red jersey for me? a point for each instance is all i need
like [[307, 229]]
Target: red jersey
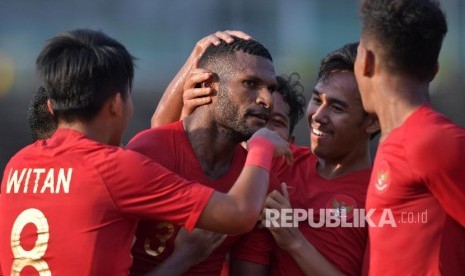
[[344, 247], [169, 146], [417, 190], [70, 206]]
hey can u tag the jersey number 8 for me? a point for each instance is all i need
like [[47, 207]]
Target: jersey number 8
[[34, 256]]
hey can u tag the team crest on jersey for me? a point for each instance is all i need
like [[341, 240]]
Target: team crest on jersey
[[383, 177], [341, 205]]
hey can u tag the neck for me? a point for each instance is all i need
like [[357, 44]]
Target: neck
[[336, 167], [94, 130], [396, 99], [212, 144]]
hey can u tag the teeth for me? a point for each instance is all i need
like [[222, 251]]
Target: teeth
[[319, 132]]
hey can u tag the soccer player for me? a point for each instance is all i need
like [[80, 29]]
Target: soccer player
[[332, 174], [70, 204], [205, 146], [40, 120], [418, 174]]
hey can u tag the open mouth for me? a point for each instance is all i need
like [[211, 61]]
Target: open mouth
[[319, 133]]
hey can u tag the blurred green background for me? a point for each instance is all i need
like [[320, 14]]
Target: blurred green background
[[161, 34]]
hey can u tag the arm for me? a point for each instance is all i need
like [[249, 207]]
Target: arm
[[242, 267], [170, 106], [250, 255], [290, 239], [238, 210], [189, 249]]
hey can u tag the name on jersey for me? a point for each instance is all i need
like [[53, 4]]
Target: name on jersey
[[39, 180]]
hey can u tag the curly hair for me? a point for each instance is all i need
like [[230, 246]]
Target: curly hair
[[409, 34], [290, 88], [41, 122]]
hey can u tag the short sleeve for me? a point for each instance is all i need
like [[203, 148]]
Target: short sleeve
[[145, 189], [436, 159]]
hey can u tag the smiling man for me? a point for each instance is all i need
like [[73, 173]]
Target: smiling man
[[332, 174]]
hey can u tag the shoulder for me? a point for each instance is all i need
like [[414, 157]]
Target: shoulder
[[433, 142], [155, 139]]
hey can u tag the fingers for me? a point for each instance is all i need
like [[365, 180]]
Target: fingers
[[228, 33], [275, 200], [288, 156], [284, 190], [226, 36], [197, 76]]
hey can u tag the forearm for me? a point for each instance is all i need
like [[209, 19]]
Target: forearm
[[175, 264], [170, 106], [237, 211], [241, 267]]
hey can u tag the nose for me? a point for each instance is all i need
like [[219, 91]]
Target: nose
[[321, 115], [264, 98]]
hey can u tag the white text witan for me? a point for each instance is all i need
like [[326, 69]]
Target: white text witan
[[39, 180]]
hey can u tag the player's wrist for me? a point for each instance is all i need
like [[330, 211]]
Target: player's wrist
[[261, 152]]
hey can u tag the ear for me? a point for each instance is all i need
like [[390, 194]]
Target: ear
[[50, 106], [115, 105], [372, 124], [367, 61]]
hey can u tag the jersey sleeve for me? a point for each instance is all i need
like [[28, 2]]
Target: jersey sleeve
[[254, 247], [143, 188], [436, 159]]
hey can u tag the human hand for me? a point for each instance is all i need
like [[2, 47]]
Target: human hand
[[195, 93], [281, 146], [215, 39], [197, 245], [287, 238]]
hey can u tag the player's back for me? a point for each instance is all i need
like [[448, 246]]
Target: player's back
[[57, 214]]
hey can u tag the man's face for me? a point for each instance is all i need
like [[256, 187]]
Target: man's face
[[244, 99], [279, 121], [336, 118]]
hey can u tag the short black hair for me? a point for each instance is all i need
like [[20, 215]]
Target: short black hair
[[340, 60], [81, 69], [41, 122], [290, 88], [217, 55], [409, 34]]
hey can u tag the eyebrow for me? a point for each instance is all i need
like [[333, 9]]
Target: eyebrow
[[256, 78], [331, 100]]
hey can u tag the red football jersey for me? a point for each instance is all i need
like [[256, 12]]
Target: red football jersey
[[70, 206], [169, 146], [344, 247], [417, 190]]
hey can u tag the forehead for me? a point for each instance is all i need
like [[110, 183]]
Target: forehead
[[247, 65], [339, 86]]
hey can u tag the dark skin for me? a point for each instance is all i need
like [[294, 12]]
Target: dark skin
[[214, 138]]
